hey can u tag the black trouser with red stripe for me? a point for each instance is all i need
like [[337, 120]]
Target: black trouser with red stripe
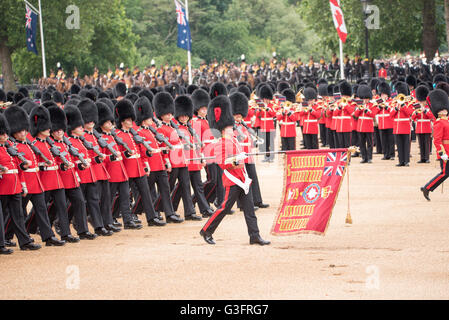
[[439, 178], [12, 207], [123, 199], [60, 207], [366, 145], [105, 201], [232, 194], [141, 184], [330, 138], [323, 134], [310, 141], [387, 138], [344, 139], [38, 216], [197, 186], [288, 143], [182, 175], [403, 145], [92, 197], [424, 145]]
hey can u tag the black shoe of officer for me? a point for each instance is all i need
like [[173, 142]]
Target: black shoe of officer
[[10, 243], [400, 165], [116, 223], [193, 217], [87, 236], [135, 219], [4, 250], [425, 193], [132, 225], [262, 205], [103, 232], [54, 242], [156, 222], [208, 213], [30, 246], [174, 218], [258, 240], [112, 228], [207, 237], [71, 239]]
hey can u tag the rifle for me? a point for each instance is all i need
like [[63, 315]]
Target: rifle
[[13, 152], [253, 134], [74, 151], [120, 142], [38, 152], [2, 168], [160, 137], [57, 153], [104, 144], [195, 135], [181, 134], [240, 135], [139, 140], [90, 146]]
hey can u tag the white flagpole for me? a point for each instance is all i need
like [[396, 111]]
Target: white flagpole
[[188, 52], [42, 41], [342, 67]]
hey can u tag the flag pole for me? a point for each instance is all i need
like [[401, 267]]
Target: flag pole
[[44, 67], [189, 63], [342, 67]]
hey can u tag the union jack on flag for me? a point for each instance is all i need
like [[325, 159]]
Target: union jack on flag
[[333, 161], [181, 16]]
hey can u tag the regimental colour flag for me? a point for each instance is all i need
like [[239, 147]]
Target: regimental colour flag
[[312, 180], [184, 38], [339, 20], [31, 29]]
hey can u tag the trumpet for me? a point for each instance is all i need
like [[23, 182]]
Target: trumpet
[[344, 101], [402, 98], [299, 96]]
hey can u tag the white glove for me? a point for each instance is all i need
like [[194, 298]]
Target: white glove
[[445, 157]]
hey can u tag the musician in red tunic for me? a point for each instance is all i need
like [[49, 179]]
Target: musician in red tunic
[[423, 118]]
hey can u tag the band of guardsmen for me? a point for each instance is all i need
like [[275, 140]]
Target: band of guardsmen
[[127, 156]]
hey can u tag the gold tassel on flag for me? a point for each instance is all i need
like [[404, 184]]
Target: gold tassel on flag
[[351, 150]]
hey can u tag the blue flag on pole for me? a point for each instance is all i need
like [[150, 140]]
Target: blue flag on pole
[[31, 22], [184, 38]]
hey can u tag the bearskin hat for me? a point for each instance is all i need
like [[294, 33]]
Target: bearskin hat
[[322, 90], [265, 92], [17, 119], [135, 89], [123, 110], [4, 127], [364, 92], [57, 118], [384, 88], [438, 101], [411, 80], [84, 93], [174, 89], [239, 104], [2, 95], [345, 89], [107, 102], [24, 91], [183, 106], [443, 86], [217, 88], [373, 84], [219, 114], [75, 89], [200, 98], [17, 97], [321, 81], [421, 93], [245, 90], [58, 97], [120, 90], [104, 113], [163, 104], [310, 94], [402, 87], [10, 96], [39, 120], [191, 88], [439, 78], [146, 93], [144, 110], [28, 106], [289, 95], [48, 104], [132, 97], [23, 101], [282, 85], [74, 118], [88, 111]]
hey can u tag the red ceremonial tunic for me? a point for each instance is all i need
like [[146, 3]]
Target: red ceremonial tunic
[[345, 120], [176, 157], [100, 171], [115, 168], [384, 119], [441, 136], [288, 124], [132, 163], [423, 120], [70, 177], [225, 148], [191, 154], [156, 161], [10, 182], [30, 176], [365, 118], [87, 175], [50, 176], [311, 120], [266, 118], [401, 119]]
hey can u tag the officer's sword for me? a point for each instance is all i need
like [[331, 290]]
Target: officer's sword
[[238, 157]]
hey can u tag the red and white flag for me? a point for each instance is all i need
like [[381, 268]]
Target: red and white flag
[[339, 20]]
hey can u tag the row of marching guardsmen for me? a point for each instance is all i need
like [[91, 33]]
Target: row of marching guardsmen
[[77, 163], [343, 115]]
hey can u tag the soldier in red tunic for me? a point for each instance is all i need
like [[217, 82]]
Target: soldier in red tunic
[[343, 112], [10, 194], [235, 179], [266, 114], [385, 121], [70, 177], [158, 174], [311, 116], [287, 120], [423, 118], [31, 183], [439, 103]]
